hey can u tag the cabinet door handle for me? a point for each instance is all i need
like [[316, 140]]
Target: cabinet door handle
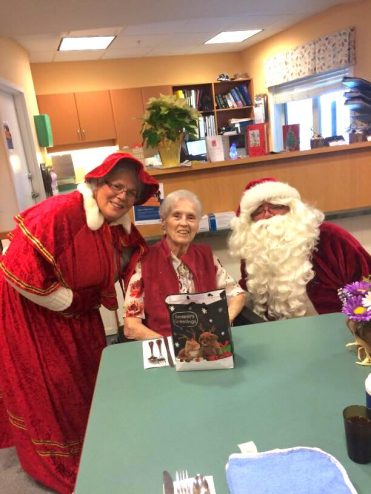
[[79, 135], [83, 134]]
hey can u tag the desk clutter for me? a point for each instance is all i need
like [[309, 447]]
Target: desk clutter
[[216, 221], [358, 100]]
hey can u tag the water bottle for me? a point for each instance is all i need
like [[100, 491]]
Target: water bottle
[[233, 152], [368, 391]]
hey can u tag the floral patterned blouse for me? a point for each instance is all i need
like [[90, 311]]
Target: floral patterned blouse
[[134, 299]]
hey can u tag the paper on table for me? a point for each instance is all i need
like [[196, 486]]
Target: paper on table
[[249, 447], [147, 352]]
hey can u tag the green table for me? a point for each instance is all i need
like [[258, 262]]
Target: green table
[[291, 381]]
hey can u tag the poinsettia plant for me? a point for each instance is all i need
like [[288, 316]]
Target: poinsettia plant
[[168, 117], [356, 300]]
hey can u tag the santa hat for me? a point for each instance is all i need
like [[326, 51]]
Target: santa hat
[[150, 184], [264, 189]]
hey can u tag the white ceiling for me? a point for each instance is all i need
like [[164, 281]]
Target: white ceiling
[[147, 28]]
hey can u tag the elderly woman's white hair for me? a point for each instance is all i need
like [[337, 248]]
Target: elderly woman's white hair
[[170, 201]]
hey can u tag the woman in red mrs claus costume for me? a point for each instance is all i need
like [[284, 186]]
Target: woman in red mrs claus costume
[[62, 263]]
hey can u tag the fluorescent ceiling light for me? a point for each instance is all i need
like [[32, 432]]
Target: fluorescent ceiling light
[[86, 43], [232, 36]]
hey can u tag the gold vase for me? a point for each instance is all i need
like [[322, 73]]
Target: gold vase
[[170, 152], [361, 331]]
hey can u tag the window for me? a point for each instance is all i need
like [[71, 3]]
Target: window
[[301, 112], [316, 103]]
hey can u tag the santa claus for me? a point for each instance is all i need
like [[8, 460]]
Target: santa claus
[[292, 264]]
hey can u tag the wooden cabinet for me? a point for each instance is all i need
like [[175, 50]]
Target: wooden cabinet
[[96, 117], [128, 107], [154, 92], [79, 117], [64, 120]]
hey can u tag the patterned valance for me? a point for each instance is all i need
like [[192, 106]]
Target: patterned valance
[[328, 53]]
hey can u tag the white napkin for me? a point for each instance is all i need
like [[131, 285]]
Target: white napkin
[[210, 481], [147, 352]]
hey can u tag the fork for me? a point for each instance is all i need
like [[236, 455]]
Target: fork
[[161, 359], [181, 476]]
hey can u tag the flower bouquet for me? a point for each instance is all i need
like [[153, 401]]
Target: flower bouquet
[[356, 302]]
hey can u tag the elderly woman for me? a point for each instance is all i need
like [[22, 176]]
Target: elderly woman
[[62, 263], [175, 265]]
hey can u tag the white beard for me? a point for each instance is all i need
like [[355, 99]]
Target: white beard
[[277, 253]]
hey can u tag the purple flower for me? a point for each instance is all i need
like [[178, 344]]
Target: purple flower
[[355, 310], [357, 288], [343, 296]]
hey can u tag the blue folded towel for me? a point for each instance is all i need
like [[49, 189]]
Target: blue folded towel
[[290, 471]]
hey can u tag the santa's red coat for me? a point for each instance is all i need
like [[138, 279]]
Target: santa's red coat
[[338, 259], [49, 360]]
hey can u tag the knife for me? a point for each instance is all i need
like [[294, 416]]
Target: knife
[[167, 483], [169, 357]]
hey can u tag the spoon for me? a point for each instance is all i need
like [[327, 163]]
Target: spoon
[[152, 358], [197, 484], [200, 485]]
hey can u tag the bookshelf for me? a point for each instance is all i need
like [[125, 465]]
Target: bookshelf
[[218, 102]]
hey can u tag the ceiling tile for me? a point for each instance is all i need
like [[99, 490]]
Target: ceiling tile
[[39, 43], [74, 56], [188, 22], [257, 22], [110, 31], [132, 41], [215, 24], [189, 39], [155, 28], [267, 33], [41, 56], [133, 52]]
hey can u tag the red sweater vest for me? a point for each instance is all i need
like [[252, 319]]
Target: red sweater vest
[[160, 280]]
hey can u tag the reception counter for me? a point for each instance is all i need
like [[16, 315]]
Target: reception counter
[[335, 179]]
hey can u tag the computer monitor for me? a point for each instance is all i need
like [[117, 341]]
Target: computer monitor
[[196, 148]]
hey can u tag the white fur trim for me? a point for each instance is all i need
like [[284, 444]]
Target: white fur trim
[[125, 221], [265, 191], [94, 218]]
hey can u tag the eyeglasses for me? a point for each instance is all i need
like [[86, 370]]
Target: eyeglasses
[[119, 189], [273, 209]]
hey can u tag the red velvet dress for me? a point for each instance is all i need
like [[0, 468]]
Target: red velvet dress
[[338, 259], [49, 360]]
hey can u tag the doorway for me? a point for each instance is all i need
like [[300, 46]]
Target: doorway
[[19, 145]]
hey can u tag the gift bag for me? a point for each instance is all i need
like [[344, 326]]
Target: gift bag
[[201, 331]]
